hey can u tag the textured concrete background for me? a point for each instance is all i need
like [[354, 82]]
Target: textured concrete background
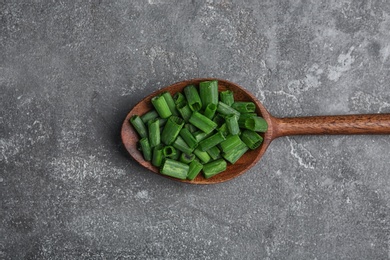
[[71, 70]]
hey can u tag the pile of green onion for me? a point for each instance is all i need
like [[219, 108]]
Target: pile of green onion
[[198, 130]]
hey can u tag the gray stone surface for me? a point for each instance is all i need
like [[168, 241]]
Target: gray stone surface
[[71, 70]]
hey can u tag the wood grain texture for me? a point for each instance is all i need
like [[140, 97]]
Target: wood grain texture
[[332, 125]]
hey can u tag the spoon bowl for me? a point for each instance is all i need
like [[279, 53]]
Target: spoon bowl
[[130, 137], [277, 127]]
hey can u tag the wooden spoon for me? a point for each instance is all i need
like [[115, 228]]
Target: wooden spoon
[[277, 127]]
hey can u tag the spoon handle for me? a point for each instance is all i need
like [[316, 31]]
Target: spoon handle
[[332, 125]]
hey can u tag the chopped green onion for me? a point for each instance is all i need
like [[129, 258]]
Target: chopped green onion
[[161, 106], [203, 156], [139, 126], [212, 168], [208, 92], [158, 155], [200, 135], [197, 129], [219, 120], [154, 132], [179, 98], [149, 116], [232, 124], [184, 110], [257, 124], [188, 138], [171, 129], [202, 122], [145, 147], [169, 151], [187, 158], [174, 169], [243, 117], [244, 107], [231, 142], [211, 141], [190, 128], [233, 155], [224, 129], [181, 145], [162, 121], [193, 98], [214, 152], [224, 109], [227, 97], [170, 102], [194, 170], [251, 139], [210, 110], [177, 155], [247, 115]]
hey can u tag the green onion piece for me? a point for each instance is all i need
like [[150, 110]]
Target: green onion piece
[[203, 156], [257, 124], [244, 107], [224, 109], [243, 117], [154, 132], [170, 102], [227, 97], [177, 155], [179, 98], [161, 106], [200, 135], [231, 142], [190, 128], [145, 147], [247, 115], [211, 141], [188, 138], [251, 139], [212, 168], [171, 130], [162, 121], [169, 151], [232, 124], [220, 120], [139, 126], [193, 98], [224, 129], [194, 170], [233, 155], [214, 152], [181, 145], [158, 155], [202, 122], [187, 158], [175, 169], [152, 114], [208, 91], [184, 110], [210, 110]]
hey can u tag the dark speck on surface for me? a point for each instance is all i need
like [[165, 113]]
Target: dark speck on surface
[[71, 70], [374, 49]]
